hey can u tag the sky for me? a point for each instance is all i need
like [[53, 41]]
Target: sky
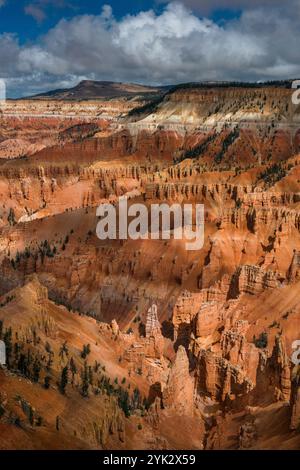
[[50, 44]]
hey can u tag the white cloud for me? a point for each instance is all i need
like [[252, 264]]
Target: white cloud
[[35, 11], [107, 12], [174, 46]]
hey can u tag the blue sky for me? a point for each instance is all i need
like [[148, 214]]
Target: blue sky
[[30, 19], [46, 44], [28, 26]]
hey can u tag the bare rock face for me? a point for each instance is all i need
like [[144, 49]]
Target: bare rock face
[[253, 280], [280, 366], [220, 379], [238, 351], [178, 394], [153, 327], [184, 312], [208, 319], [227, 371], [154, 342], [115, 328], [218, 291], [293, 274], [145, 354]]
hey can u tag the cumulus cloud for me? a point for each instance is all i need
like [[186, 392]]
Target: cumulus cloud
[[173, 46]]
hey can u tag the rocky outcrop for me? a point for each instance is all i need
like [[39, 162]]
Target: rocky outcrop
[[219, 379], [236, 349], [115, 328], [153, 327], [145, 354], [293, 274], [253, 280], [208, 319], [184, 312], [279, 365], [179, 391], [229, 371]]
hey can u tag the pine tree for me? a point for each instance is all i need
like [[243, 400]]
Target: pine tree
[[73, 369], [9, 346], [63, 351], [11, 217], [123, 401], [85, 351], [136, 399], [17, 350], [57, 423], [63, 380], [36, 370], [22, 364], [47, 381]]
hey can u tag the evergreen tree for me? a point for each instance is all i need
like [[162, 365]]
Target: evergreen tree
[[63, 380], [31, 416], [73, 369], [17, 349], [57, 423], [9, 346], [22, 364], [123, 401], [36, 370], [85, 351], [47, 381], [63, 351], [11, 217]]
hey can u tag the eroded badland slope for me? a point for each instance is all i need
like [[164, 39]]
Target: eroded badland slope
[[215, 358]]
